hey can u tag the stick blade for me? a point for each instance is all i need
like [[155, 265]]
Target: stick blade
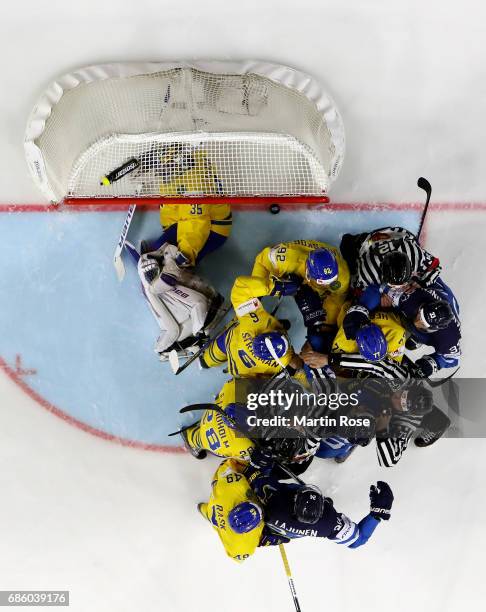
[[174, 361], [424, 184], [119, 267]]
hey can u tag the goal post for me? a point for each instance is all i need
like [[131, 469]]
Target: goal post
[[238, 132]]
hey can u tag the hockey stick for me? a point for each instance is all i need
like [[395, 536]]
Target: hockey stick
[[438, 382], [271, 350], [289, 577], [215, 408], [174, 358], [424, 184], [117, 257]]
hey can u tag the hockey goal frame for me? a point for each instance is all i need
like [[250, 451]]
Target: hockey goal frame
[[300, 84]]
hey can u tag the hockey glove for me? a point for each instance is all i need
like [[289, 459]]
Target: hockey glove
[[371, 297], [381, 500], [150, 268], [272, 539], [425, 367], [356, 317], [310, 305], [286, 286]]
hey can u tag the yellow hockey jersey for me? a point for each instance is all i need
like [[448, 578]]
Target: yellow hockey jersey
[[230, 488], [290, 258], [252, 320], [213, 433], [196, 220], [387, 321]]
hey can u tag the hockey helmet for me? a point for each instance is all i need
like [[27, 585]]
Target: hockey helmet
[[270, 344], [417, 399], [245, 517], [308, 504], [396, 268], [321, 267], [435, 315], [372, 343]]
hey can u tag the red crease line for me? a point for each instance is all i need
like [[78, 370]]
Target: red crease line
[[14, 377]]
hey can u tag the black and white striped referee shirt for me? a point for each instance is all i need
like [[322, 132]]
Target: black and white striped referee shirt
[[425, 267]]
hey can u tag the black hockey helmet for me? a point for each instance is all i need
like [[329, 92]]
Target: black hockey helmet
[[286, 449], [308, 504], [436, 315], [396, 268], [417, 399]]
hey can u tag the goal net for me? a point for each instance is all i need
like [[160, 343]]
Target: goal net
[[202, 130]]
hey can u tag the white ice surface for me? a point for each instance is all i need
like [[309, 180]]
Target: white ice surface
[[117, 526]]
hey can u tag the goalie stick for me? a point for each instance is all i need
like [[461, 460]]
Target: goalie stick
[[117, 256], [174, 358]]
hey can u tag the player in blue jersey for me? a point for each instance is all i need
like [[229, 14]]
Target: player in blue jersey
[[431, 316], [295, 511]]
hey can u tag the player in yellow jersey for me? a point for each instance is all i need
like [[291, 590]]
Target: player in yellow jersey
[[383, 335], [255, 344], [217, 434], [377, 346], [234, 511], [223, 435], [197, 229], [316, 274]]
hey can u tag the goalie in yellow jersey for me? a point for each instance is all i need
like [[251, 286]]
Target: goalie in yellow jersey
[[255, 344], [317, 276], [197, 229]]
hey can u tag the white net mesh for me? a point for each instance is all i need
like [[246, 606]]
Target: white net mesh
[[186, 132]]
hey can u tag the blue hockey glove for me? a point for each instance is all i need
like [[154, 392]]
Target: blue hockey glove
[[272, 539], [310, 305], [381, 500], [371, 297], [286, 286]]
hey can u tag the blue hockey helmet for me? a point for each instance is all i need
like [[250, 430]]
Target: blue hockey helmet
[[244, 517], [436, 315], [308, 504], [371, 342], [278, 342], [321, 266]]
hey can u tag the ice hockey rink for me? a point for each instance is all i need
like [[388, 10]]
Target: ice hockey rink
[[96, 498]]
